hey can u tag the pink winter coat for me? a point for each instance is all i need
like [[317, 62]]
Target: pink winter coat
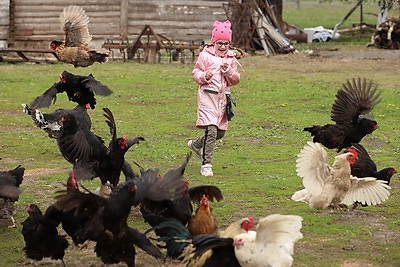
[[211, 99]]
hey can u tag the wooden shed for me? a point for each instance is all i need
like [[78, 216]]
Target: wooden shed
[[34, 23]]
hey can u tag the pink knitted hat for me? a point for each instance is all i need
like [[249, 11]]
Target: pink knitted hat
[[221, 31]]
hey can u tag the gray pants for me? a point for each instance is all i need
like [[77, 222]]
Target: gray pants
[[207, 141]]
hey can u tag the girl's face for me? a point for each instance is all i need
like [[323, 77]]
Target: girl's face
[[221, 46]]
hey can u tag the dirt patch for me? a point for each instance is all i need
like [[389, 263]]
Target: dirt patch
[[367, 53], [373, 220]]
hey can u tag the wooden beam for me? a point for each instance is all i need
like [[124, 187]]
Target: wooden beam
[[124, 19]]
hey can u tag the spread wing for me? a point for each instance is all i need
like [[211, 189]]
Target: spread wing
[[278, 233], [312, 165], [95, 86], [367, 190], [170, 186], [74, 23], [364, 166], [111, 123], [357, 97], [81, 146], [46, 98]]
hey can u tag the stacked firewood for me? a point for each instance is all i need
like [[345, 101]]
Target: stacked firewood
[[258, 25], [387, 35]]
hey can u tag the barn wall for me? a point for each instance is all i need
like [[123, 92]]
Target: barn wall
[[4, 21], [189, 20], [35, 23]]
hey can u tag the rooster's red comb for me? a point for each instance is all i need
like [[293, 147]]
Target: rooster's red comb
[[251, 219], [353, 151]]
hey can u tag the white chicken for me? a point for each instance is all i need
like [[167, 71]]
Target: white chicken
[[334, 187], [272, 244]]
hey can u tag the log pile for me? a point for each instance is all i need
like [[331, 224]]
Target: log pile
[[387, 35], [256, 25]]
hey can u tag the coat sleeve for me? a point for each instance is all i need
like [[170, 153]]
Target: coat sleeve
[[199, 71], [231, 74]]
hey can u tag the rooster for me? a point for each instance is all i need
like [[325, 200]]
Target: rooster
[[80, 89], [349, 112], [203, 222], [9, 192], [271, 244], [104, 220], [41, 236], [201, 250], [335, 187], [74, 50], [97, 160], [366, 167]]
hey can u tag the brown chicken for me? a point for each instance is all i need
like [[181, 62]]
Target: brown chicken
[[74, 50], [203, 222]]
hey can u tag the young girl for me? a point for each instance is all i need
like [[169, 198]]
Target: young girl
[[215, 71]]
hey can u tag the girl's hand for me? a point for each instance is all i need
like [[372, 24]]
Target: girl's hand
[[224, 66], [209, 75]]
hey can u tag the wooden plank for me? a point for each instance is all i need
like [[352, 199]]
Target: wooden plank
[[124, 17], [27, 50], [64, 3], [32, 60], [45, 17], [188, 3], [4, 21]]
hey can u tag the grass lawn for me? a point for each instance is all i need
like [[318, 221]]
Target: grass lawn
[[254, 165]]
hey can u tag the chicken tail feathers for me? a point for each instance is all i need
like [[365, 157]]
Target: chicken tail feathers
[[98, 56], [174, 234], [211, 192], [144, 243]]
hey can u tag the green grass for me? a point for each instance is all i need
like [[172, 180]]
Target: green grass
[[254, 164]]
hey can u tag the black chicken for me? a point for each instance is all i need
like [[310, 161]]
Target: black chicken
[[9, 192], [81, 147], [62, 122], [366, 167], [181, 208], [106, 222], [80, 89], [349, 112], [200, 250], [94, 159], [41, 236], [71, 224], [74, 50]]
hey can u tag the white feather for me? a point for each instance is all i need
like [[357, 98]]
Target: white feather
[[272, 244], [312, 165], [301, 195], [367, 190]]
